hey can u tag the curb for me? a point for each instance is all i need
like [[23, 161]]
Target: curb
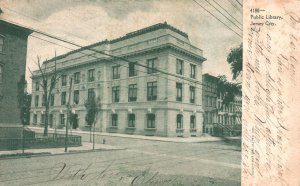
[[132, 137], [57, 154]]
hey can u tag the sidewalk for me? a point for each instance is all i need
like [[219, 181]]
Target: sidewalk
[[86, 147], [201, 139]]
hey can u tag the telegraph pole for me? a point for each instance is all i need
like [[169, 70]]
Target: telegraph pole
[[24, 97], [68, 115]]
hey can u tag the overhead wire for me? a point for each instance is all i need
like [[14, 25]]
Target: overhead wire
[[234, 5], [239, 3], [217, 18], [227, 12], [224, 15]]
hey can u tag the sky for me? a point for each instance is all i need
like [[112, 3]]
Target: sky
[[89, 21]]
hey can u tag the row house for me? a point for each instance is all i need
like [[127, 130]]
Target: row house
[[147, 82], [13, 54], [218, 118]]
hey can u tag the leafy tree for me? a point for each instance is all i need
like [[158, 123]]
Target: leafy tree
[[235, 59], [92, 109], [227, 90]]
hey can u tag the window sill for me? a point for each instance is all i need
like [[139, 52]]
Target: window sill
[[150, 129], [130, 128], [193, 130], [113, 127], [179, 130]]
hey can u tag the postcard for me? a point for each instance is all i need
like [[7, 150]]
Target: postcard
[[170, 92]]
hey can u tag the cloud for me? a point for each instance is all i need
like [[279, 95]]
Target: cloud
[[89, 21]]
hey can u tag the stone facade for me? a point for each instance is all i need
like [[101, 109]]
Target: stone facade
[[13, 51], [162, 92]]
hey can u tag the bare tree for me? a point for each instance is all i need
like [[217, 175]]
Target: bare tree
[[49, 77], [92, 106]]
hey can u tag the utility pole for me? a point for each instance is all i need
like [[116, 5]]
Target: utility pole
[[96, 119], [24, 97], [94, 135], [68, 115]]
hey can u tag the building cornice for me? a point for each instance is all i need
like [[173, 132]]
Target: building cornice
[[168, 46], [129, 35], [164, 47]]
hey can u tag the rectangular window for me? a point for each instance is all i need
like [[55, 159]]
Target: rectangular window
[[52, 99], [43, 100], [192, 94], [206, 101], [206, 117], [116, 94], [51, 120], [37, 85], [151, 91], [132, 92], [91, 93], [43, 119], [63, 80], [150, 121], [63, 98], [1, 73], [214, 102], [219, 104], [1, 44], [91, 75], [179, 121], [151, 65], [179, 66], [76, 77], [132, 71], [62, 119], [36, 101], [116, 72], [114, 120], [76, 97], [193, 71], [178, 91], [131, 120], [35, 118], [193, 122]]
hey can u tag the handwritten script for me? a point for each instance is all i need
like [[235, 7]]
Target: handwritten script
[[271, 57], [103, 173]]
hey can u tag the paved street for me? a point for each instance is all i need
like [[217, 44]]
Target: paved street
[[143, 162]]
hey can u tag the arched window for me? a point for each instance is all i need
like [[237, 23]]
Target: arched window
[[193, 122], [179, 121], [131, 120]]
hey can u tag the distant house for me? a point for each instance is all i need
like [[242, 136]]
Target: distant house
[[220, 120], [13, 51]]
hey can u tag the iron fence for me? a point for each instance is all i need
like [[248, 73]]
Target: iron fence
[[40, 141]]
